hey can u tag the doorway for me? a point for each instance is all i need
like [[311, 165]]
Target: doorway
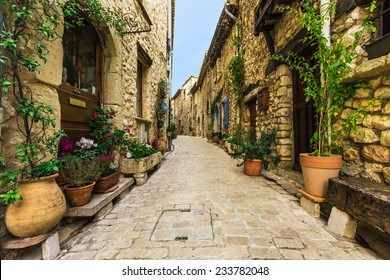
[[303, 113]]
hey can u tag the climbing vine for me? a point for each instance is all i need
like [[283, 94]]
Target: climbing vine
[[236, 77], [28, 29]]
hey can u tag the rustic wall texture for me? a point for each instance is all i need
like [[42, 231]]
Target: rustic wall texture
[[119, 75], [366, 151]]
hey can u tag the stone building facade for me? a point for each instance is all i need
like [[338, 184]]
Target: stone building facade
[[183, 107], [127, 72], [273, 93]]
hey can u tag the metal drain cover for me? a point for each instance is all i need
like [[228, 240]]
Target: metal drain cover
[[185, 224]]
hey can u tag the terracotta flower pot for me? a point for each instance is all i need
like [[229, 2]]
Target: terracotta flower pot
[[79, 196], [169, 133], [161, 146], [215, 139], [317, 171], [41, 209], [253, 167], [105, 183]]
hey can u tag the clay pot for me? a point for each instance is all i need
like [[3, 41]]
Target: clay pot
[[41, 209], [169, 133], [317, 171], [215, 139], [253, 167], [161, 146], [105, 183], [79, 196]]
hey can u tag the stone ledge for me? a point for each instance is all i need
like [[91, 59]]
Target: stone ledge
[[99, 201], [362, 199]]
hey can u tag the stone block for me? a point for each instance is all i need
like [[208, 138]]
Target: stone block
[[364, 135], [383, 92], [310, 207], [381, 122], [377, 153], [341, 223], [51, 247], [142, 165], [141, 178], [104, 211], [385, 138]]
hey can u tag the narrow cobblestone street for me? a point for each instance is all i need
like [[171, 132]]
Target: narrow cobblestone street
[[199, 205]]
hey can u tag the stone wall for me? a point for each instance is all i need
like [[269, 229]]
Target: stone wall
[[183, 114], [119, 75], [366, 151]]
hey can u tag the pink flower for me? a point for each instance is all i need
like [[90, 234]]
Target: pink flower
[[128, 130], [112, 113], [95, 115], [108, 134]]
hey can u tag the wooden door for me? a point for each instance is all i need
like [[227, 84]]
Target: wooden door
[[303, 114]]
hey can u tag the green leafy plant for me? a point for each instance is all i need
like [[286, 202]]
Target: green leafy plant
[[160, 107], [333, 60], [137, 150], [80, 171], [263, 148], [29, 27], [236, 68]]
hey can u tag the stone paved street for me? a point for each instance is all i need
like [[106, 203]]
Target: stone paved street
[[199, 205]]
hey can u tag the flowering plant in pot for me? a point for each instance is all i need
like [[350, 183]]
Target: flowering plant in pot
[[109, 140], [81, 171], [332, 59], [256, 153]]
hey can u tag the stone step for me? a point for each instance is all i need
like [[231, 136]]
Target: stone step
[[100, 202]]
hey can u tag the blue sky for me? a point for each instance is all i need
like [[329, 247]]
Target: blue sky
[[195, 23]]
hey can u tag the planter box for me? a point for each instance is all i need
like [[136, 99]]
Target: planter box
[[131, 166], [139, 167]]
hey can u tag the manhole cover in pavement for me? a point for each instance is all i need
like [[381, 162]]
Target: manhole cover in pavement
[[180, 225]]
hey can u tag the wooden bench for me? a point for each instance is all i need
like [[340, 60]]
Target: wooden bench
[[361, 199]]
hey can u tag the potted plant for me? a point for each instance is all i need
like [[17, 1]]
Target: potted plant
[[257, 153], [110, 174], [233, 142], [332, 59], [36, 203], [108, 140], [81, 175], [214, 137]]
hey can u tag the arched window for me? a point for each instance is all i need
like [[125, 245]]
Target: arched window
[[81, 88]]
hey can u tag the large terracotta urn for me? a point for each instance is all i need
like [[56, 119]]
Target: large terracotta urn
[[317, 171], [41, 209]]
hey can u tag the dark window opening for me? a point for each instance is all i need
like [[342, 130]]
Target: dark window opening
[[139, 88], [81, 59]]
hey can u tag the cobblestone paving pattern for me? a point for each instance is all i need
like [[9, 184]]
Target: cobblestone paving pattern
[[252, 218]]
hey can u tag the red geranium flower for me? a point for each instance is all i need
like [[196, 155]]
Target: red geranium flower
[[112, 113], [95, 115], [128, 130], [108, 134]]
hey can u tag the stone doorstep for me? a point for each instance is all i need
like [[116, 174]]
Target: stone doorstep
[[99, 201]]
